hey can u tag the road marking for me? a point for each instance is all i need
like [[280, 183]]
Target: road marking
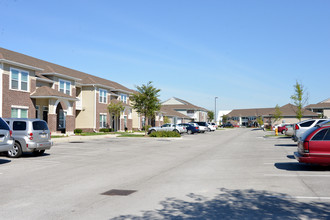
[[293, 175]]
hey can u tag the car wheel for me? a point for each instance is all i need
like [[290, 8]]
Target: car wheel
[[189, 132], [152, 131], [282, 132], [208, 129], [16, 151], [177, 131], [38, 152]]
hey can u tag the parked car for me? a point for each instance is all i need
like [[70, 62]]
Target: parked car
[[228, 125], [6, 140], [281, 128], [203, 126], [30, 135], [213, 126], [288, 130], [300, 128], [168, 127], [314, 145], [190, 128]]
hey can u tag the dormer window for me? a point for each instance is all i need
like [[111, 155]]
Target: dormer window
[[103, 96], [123, 98], [65, 86]]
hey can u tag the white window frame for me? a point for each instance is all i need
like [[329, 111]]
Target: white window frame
[[121, 98], [104, 115], [19, 108], [19, 79], [101, 98], [65, 82]]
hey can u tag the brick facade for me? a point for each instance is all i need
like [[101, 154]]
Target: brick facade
[[52, 122], [70, 123]]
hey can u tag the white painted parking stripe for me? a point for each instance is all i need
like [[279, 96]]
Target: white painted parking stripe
[[300, 175]]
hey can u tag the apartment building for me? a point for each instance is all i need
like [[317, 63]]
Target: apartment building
[[65, 98]]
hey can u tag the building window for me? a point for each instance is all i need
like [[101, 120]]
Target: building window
[[19, 79], [103, 120], [123, 98], [103, 96], [19, 113], [65, 86]]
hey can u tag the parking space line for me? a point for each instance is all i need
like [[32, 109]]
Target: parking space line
[[300, 175]]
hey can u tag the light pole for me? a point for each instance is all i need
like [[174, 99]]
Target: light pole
[[215, 110]]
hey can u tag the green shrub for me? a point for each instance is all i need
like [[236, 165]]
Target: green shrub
[[164, 134], [105, 130], [77, 131], [144, 127]]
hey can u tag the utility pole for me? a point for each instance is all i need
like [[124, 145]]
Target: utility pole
[[215, 110]]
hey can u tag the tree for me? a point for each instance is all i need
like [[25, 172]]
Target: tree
[[146, 101], [115, 108], [166, 120], [210, 115], [260, 120], [224, 119], [278, 114], [300, 99]]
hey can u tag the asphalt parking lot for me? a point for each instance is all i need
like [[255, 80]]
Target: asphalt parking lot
[[227, 174]]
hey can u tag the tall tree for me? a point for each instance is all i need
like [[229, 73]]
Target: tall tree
[[146, 101], [210, 115], [278, 114], [300, 99]]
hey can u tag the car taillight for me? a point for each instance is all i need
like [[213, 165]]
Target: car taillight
[[196, 127], [11, 133], [306, 146], [50, 134], [296, 127], [31, 136]]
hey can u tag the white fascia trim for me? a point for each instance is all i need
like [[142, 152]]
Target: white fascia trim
[[100, 86], [44, 80], [21, 65], [19, 106], [54, 97], [61, 75], [120, 90]]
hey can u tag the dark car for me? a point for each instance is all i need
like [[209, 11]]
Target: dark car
[[314, 145], [228, 125], [190, 128]]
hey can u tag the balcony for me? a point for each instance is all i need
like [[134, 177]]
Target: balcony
[[79, 104]]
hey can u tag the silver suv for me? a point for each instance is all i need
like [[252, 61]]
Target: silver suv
[[6, 141], [168, 127], [30, 135]]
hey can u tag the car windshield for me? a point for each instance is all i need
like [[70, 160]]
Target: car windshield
[[39, 125], [3, 125], [308, 132]]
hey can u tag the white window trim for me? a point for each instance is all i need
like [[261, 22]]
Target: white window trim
[[106, 96], [19, 110], [122, 94], [104, 114], [65, 81], [19, 80]]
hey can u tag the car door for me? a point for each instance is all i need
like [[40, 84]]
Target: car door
[[319, 145], [164, 127]]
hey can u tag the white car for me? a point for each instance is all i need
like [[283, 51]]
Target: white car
[[168, 127], [212, 126], [300, 128], [203, 126]]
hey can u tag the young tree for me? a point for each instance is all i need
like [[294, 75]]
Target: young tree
[[224, 119], [278, 114], [166, 120], [115, 108], [300, 99], [146, 101], [210, 115], [260, 121]]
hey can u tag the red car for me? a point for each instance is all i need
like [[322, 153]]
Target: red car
[[314, 145], [282, 129]]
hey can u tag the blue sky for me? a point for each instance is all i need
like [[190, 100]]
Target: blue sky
[[247, 53]]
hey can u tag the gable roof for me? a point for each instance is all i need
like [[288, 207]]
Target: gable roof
[[287, 110], [184, 106], [168, 111], [47, 67], [320, 105], [47, 92]]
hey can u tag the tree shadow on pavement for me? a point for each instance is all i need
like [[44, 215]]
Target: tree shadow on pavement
[[237, 204], [296, 166]]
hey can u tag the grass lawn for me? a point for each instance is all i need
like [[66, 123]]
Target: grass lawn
[[131, 135], [58, 136], [93, 133]]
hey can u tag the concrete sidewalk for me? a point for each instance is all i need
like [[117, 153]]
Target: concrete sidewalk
[[82, 138]]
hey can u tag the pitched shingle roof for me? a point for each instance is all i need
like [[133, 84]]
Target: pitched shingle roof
[[319, 105], [45, 91], [168, 111], [185, 106], [54, 68]]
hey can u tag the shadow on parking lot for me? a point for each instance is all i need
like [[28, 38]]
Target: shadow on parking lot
[[236, 204], [295, 166], [3, 161], [286, 145], [256, 129], [28, 155]]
